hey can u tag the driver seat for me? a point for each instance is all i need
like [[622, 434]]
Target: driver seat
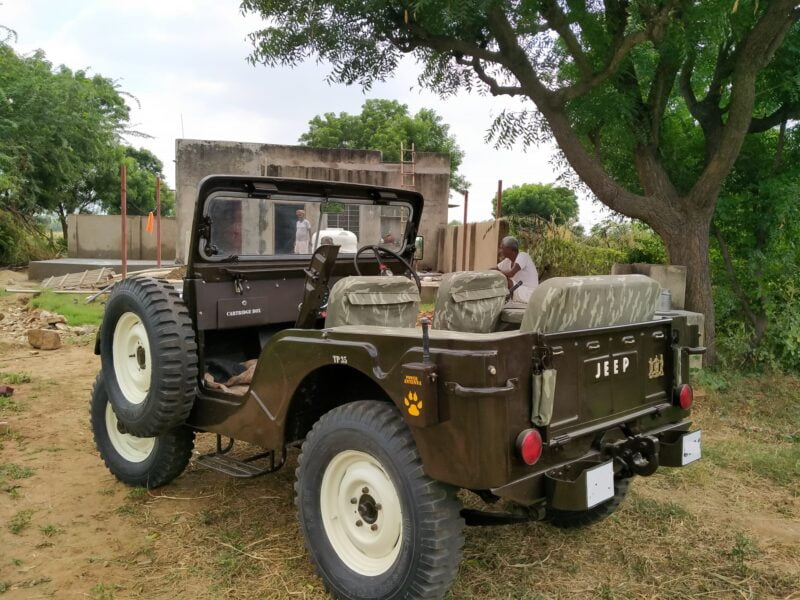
[[373, 300]]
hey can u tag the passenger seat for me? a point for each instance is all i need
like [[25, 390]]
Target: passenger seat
[[470, 301], [373, 300]]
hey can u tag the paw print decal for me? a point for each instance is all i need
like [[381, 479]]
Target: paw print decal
[[413, 404]]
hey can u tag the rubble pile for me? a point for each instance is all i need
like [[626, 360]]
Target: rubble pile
[[37, 327]]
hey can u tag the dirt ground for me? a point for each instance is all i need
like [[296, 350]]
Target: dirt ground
[[68, 529]]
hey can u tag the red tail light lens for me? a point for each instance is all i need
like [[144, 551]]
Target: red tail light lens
[[685, 396], [529, 446]]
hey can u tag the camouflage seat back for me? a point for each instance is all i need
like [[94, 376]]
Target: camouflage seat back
[[470, 301], [373, 300], [572, 303]]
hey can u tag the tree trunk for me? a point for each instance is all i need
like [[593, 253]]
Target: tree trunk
[[687, 245], [62, 216]]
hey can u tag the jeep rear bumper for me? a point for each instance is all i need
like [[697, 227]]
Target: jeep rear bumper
[[586, 481]]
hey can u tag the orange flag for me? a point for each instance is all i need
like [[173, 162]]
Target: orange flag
[[149, 228]]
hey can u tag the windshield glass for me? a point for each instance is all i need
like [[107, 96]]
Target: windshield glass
[[287, 225]]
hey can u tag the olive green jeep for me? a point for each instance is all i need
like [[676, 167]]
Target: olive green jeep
[[282, 340]]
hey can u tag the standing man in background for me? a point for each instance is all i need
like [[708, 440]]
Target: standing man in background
[[518, 267], [302, 236]]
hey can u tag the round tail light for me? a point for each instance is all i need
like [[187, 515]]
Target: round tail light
[[529, 446], [685, 396]]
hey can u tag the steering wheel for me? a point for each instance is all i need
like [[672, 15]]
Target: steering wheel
[[377, 251]]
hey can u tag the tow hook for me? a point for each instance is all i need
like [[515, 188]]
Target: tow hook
[[639, 454]]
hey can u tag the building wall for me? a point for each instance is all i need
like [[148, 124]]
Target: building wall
[[98, 236], [196, 159], [482, 239]]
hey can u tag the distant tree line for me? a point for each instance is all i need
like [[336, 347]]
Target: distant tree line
[[62, 135]]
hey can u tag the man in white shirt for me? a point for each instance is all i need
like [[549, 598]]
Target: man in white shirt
[[518, 267], [302, 236]]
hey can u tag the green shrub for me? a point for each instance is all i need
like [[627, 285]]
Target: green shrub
[[558, 251], [21, 242]]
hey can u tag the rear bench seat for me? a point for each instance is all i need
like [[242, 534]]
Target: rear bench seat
[[573, 303]]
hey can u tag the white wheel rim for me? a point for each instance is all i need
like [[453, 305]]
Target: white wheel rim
[[372, 547], [131, 448], [132, 362]]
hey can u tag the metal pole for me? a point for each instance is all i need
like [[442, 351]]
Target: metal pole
[[123, 203], [158, 222], [499, 206], [464, 244]]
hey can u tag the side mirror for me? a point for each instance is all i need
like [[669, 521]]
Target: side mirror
[[419, 247]]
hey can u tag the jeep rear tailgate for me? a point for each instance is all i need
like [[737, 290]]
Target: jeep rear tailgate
[[605, 374]]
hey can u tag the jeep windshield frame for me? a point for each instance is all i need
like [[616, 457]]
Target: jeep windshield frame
[[312, 193]]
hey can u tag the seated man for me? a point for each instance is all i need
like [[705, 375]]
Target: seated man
[[518, 267]]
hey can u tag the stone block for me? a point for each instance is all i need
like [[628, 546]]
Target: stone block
[[44, 339]]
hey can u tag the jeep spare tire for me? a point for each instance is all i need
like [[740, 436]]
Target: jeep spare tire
[[149, 356]]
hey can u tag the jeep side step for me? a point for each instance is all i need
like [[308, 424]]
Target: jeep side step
[[243, 468]]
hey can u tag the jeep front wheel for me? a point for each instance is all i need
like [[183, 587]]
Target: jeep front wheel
[[374, 524]]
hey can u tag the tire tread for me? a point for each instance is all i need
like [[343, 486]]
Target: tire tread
[[437, 503], [174, 347]]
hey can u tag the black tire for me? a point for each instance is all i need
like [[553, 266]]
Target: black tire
[[167, 398], [165, 460], [569, 519], [428, 547]]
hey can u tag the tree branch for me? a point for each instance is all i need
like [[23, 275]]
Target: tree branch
[[559, 23], [624, 44], [588, 167], [663, 82], [685, 85], [494, 87], [785, 113], [448, 45], [753, 53]]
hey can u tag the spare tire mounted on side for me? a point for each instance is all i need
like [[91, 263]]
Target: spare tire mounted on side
[[149, 356]]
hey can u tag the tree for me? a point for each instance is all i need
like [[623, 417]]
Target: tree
[[637, 242], [143, 167], [383, 125], [551, 203], [601, 76], [755, 256], [60, 129]]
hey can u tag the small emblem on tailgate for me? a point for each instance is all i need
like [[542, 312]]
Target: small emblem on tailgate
[[655, 366]]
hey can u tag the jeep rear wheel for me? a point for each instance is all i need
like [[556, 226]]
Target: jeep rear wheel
[[569, 519], [149, 356], [140, 461], [374, 524]]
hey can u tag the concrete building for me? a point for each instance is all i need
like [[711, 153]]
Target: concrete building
[[196, 159]]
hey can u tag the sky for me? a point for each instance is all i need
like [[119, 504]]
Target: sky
[[184, 61]]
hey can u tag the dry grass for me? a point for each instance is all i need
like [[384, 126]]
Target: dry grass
[[726, 527]]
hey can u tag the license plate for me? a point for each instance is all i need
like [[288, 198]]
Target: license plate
[[599, 484], [690, 446]]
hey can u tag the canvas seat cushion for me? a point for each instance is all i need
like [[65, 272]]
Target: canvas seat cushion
[[470, 301], [573, 303], [373, 300], [513, 312]]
